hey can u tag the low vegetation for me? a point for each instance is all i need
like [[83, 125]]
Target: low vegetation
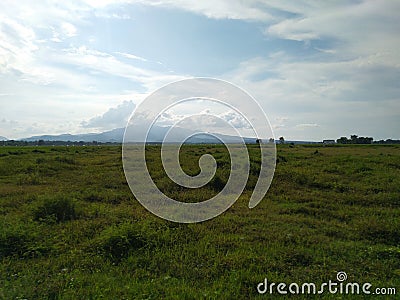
[[70, 227]]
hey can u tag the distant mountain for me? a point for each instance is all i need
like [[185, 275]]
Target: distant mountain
[[2, 138], [114, 135], [156, 135]]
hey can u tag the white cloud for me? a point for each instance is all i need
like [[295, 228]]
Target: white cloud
[[235, 119], [101, 13], [23, 53], [338, 95], [104, 3], [113, 118], [131, 56], [350, 75], [358, 29], [17, 45], [222, 9], [307, 125], [206, 119], [68, 29], [109, 64]]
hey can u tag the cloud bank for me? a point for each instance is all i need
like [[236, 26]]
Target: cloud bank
[[334, 64], [113, 118]]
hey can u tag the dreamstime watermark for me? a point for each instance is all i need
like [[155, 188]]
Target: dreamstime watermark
[[240, 111], [333, 287]]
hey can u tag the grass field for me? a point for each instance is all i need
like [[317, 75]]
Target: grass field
[[71, 229]]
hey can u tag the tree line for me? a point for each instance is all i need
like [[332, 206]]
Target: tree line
[[354, 139]]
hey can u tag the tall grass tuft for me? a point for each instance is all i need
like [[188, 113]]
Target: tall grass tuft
[[55, 209]]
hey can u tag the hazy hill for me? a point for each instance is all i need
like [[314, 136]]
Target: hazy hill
[[156, 135], [114, 135]]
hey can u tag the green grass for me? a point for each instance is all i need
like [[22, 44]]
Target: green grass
[[70, 227]]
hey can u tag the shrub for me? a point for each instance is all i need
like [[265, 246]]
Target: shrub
[[13, 243], [20, 240], [57, 209], [117, 242], [217, 183]]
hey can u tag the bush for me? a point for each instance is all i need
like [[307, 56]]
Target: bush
[[55, 210], [117, 242], [20, 240], [13, 243], [217, 184]]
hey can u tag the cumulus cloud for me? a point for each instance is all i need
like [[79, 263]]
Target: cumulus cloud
[[339, 68], [206, 120], [113, 118], [235, 119], [68, 29]]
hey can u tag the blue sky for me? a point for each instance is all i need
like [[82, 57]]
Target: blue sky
[[319, 70]]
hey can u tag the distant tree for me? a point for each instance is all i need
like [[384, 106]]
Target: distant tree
[[271, 140], [370, 140], [353, 138], [388, 141], [258, 141], [364, 140], [342, 140], [282, 140], [40, 142]]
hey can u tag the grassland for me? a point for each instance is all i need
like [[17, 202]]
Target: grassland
[[71, 229]]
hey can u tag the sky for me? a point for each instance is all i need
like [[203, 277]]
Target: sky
[[319, 69]]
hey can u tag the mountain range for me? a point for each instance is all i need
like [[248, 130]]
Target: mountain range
[[112, 136], [156, 135]]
